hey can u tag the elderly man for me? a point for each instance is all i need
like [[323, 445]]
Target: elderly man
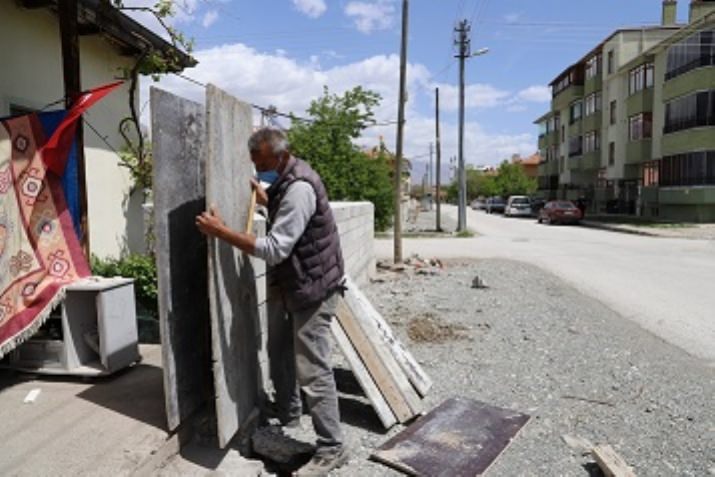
[[302, 249]]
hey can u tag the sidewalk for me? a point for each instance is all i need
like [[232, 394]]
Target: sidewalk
[[652, 229]]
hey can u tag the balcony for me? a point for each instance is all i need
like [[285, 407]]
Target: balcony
[[638, 151], [592, 121], [694, 80], [566, 97], [700, 138], [591, 161], [640, 102], [592, 85], [575, 128]]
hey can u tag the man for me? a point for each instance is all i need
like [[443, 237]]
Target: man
[[305, 275]]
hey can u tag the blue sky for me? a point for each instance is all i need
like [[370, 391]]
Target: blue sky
[[282, 52]]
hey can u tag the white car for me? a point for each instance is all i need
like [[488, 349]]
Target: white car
[[518, 206]]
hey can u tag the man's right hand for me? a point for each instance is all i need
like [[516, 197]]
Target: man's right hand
[[261, 196]]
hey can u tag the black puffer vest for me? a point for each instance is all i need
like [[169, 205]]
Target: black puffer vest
[[315, 268]]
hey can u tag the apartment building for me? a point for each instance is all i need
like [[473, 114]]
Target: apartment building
[[632, 124]]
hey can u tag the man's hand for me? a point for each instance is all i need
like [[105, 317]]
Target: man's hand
[[261, 196], [210, 223]]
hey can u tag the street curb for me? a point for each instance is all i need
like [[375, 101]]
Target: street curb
[[612, 228]]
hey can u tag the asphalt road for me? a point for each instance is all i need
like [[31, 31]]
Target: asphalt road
[[665, 285]]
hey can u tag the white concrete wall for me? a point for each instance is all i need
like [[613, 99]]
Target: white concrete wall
[[357, 235], [31, 60]]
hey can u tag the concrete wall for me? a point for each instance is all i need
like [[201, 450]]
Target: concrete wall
[[31, 59]]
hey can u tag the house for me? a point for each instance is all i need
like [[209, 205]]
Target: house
[[109, 43], [530, 164], [632, 124]]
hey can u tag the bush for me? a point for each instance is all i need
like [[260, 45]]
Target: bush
[[142, 268]]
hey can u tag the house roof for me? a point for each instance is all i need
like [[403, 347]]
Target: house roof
[[99, 17]]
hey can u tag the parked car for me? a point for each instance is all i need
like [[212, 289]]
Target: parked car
[[518, 206], [537, 203], [559, 212], [495, 204], [478, 204]]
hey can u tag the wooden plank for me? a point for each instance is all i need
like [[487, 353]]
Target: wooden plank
[[387, 417], [369, 328], [361, 307], [610, 462], [374, 363], [459, 438], [232, 280], [179, 196]]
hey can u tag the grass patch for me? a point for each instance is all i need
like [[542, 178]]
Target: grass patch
[[464, 234]]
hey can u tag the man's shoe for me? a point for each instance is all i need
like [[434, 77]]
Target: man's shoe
[[321, 464]]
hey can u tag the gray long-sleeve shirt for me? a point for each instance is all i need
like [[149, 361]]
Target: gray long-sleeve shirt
[[294, 212]]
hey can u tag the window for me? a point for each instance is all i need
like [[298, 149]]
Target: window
[[563, 134], [592, 103], [650, 173], [693, 52], [611, 153], [575, 111], [611, 62], [591, 141], [613, 112], [693, 110], [575, 146], [562, 164], [640, 126], [593, 66], [689, 169], [640, 78]]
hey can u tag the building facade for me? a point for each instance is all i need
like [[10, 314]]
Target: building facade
[[632, 124]]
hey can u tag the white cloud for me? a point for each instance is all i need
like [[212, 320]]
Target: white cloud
[[312, 8], [475, 96], [209, 18], [290, 85], [535, 94], [370, 16]]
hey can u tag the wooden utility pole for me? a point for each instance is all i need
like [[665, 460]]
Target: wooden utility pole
[[67, 12], [438, 175], [462, 42], [400, 130]]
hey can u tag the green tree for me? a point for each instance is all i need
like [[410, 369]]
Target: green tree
[[326, 142], [512, 180], [480, 184]]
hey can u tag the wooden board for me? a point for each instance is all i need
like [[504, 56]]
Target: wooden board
[[179, 195], [232, 281], [361, 306], [459, 438], [611, 463], [386, 377], [382, 409]]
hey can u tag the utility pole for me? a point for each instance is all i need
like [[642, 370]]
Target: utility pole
[[429, 175], [438, 225], [400, 130], [67, 13], [462, 42]]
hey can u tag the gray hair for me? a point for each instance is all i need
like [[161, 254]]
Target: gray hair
[[275, 138]]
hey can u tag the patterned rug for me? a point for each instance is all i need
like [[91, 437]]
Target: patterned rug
[[39, 250]]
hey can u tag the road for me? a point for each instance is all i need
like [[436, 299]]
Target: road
[[665, 285]]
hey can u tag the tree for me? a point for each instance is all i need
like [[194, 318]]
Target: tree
[[326, 143], [512, 180]]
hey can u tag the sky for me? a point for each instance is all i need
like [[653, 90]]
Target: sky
[[283, 52]]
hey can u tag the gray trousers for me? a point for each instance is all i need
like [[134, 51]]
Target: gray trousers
[[299, 348]]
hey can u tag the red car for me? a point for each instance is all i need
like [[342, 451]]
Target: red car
[[560, 212]]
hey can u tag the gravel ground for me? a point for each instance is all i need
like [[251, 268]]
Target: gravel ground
[[532, 343]]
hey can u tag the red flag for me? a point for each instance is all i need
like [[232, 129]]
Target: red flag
[[54, 152]]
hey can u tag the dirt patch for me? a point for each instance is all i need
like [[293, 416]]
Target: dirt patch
[[430, 329]]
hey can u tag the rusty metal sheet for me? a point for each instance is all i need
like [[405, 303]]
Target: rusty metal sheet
[[459, 438]]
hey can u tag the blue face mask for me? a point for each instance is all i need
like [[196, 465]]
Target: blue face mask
[[268, 176]]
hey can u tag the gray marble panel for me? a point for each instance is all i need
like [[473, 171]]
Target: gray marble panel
[[232, 278], [179, 195]]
